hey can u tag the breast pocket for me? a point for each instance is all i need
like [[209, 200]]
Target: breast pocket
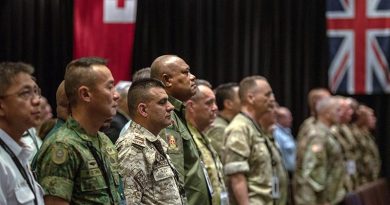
[[23, 193], [92, 180]]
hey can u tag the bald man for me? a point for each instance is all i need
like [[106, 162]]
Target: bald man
[[180, 87]]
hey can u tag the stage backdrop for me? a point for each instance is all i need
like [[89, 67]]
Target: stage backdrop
[[222, 41]]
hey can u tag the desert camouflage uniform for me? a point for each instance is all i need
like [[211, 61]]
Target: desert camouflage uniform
[[247, 151], [213, 165], [66, 167], [148, 175], [215, 134], [185, 157], [320, 172]]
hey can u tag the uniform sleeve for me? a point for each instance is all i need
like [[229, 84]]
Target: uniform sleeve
[[58, 169], [215, 135], [132, 167], [314, 166], [237, 151]]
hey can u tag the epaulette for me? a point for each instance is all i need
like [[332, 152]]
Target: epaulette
[[138, 141]]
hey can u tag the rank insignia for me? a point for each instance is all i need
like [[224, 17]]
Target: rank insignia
[[172, 142]]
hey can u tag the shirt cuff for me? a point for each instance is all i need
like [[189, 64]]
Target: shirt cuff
[[236, 167], [58, 186]]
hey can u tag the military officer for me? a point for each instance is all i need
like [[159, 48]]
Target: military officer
[[180, 86], [147, 171], [228, 104], [78, 164], [248, 159], [200, 113], [320, 172]]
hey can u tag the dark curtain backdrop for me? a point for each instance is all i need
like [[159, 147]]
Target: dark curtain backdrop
[[38, 32], [222, 41]]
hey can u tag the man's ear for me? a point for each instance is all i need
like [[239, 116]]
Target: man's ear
[[190, 105], [250, 97], [84, 93], [166, 79], [227, 104], [142, 109]]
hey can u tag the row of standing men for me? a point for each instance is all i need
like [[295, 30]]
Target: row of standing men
[[166, 154]]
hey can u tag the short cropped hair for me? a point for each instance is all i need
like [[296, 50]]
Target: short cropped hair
[[141, 74], [325, 104], [79, 72], [139, 92], [247, 84], [224, 92], [8, 71]]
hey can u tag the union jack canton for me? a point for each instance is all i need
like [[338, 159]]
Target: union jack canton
[[359, 43]]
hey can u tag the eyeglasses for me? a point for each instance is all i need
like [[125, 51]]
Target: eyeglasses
[[26, 93]]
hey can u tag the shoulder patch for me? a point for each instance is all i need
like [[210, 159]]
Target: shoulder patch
[[59, 155], [138, 140]]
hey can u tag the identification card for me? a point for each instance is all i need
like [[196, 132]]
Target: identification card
[[275, 187], [351, 167], [224, 198], [206, 175]]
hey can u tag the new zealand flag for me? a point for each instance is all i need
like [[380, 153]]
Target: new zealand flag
[[359, 43]]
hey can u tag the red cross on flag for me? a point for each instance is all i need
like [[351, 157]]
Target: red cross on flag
[[359, 42], [105, 28]]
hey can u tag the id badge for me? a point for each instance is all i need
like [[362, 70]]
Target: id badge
[[224, 198], [351, 167], [275, 187], [206, 175]]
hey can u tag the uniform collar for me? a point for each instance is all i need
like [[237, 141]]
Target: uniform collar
[[179, 106], [139, 130], [72, 124], [23, 152]]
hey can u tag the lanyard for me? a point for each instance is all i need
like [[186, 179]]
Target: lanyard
[[20, 167], [100, 161]]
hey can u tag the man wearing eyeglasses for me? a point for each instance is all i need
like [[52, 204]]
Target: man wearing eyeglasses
[[19, 110], [78, 164]]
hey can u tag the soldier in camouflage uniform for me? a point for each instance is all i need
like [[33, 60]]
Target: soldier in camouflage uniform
[[349, 146], [78, 164], [369, 164], [180, 86], [147, 171], [200, 113], [248, 158], [228, 104], [320, 173], [314, 96], [267, 123]]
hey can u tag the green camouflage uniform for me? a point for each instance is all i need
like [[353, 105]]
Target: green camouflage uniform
[[66, 167], [215, 134], [148, 175], [247, 151], [320, 172], [213, 165], [369, 164], [349, 147], [185, 157]]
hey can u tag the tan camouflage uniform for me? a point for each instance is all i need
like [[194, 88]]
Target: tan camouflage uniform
[[213, 165], [215, 134], [247, 151], [305, 127], [369, 164], [148, 175], [320, 172], [66, 167], [350, 150]]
